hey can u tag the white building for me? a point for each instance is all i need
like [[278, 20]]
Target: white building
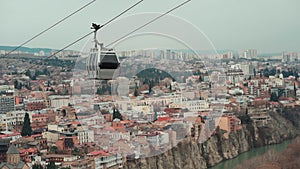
[[196, 105], [9, 120], [58, 101], [85, 136], [7, 98], [123, 86], [247, 68], [102, 162]]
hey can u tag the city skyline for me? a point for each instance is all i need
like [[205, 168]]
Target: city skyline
[[269, 26]]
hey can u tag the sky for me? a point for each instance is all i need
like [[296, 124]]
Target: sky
[[265, 25]]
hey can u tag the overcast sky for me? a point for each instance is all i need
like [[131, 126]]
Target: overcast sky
[[265, 25]]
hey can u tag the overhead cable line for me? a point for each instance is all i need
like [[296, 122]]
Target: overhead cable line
[[100, 26], [151, 21], [39, 34], [148, 23]]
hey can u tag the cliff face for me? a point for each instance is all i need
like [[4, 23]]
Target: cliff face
[[190, 155]]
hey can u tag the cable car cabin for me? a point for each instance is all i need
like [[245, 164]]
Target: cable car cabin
[[92, 63], [101, 65]]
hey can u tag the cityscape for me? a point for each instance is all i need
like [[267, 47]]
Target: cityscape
[[79, 123], [138, 84]]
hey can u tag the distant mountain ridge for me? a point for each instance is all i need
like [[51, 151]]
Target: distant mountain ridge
[[26, 49], [48, 51]]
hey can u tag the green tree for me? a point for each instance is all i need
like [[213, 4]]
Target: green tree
[[295, 90], [136, 92], [51, 165], [117, 114], [16, 84], [150, 86], [27, 73], [52, 90], [53, 149], [274, 97], [28, 86], [75, 152], [245, 119], [26, 128], [296, 75], [155, 116], [37, 166], [46, 72]]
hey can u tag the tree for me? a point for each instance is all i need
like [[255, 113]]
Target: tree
[[52, 90], [274, 97], [117, 115], [26, 128], [136, 92], [53, 149], [37, 166], [28, 86], [155, 116], [16, 84], [245, 119], [75, 152], [27, 73], [46, 72], [295, 90], [296, 75], [51, 165], [266, 72], [150, 86]]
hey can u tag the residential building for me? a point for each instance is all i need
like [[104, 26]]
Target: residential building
[[4, 145], [13, 160], [85, 136], [7, 98], [34, 104], [229, 124], [104, 160], [58, 101]]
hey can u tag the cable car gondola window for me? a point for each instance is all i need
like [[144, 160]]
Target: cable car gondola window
[[109, 60]]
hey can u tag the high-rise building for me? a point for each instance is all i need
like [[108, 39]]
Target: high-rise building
[[247, 68], [7, 98], [123, 86], [286, 57], [230, 55], [248, 54], [252, 53]]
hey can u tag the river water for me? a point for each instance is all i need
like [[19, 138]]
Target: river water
[[229, 164]]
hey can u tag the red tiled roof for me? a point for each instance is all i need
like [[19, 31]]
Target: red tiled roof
[[99, 152], [163, 118]]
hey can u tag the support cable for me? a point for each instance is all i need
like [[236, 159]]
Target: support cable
[[42, 32]]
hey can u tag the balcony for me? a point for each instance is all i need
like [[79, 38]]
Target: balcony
[[111, 164], [106, 159]]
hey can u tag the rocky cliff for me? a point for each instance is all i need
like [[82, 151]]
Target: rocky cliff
[[190, 155]]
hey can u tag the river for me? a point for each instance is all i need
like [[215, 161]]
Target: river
[[229, 164]]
